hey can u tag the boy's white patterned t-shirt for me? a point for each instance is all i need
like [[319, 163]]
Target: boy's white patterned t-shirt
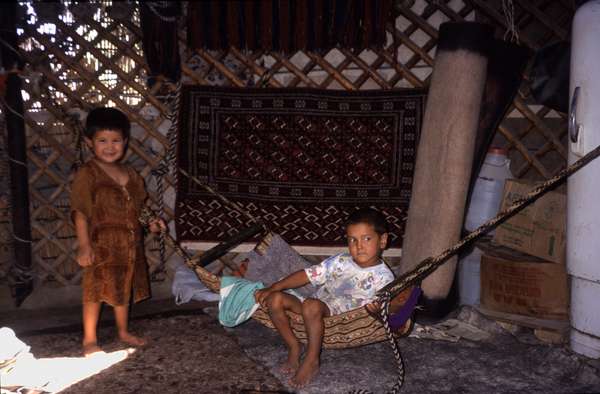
[[344, 285]]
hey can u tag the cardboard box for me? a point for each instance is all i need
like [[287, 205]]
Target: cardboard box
[[516, 283], [539, 229]]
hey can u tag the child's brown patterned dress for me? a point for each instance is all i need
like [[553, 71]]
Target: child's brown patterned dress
[[112, 213]]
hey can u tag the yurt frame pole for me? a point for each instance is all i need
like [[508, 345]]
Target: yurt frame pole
[[20, 276], [21, 226]]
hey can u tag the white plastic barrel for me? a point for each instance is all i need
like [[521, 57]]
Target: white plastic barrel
[[583, 210], [484, 205], [487, 192]]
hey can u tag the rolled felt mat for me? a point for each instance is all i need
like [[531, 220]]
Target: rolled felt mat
[[445, 152]]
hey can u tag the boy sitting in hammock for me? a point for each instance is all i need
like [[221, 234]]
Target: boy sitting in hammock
[[347, 281]]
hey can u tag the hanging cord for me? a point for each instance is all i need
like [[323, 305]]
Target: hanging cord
[[154, 5], [78, 128], [168, 161], [175, 106], [508, 9], [159, 174]]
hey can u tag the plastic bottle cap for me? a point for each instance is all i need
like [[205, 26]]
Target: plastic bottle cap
[[498, 151]]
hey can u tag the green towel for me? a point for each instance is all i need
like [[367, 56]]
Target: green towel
[[237, 302]]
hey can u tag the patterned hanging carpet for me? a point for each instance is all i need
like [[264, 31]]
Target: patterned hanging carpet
[[300, 159]]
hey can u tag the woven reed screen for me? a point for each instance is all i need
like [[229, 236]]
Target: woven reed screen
[[93, 56]]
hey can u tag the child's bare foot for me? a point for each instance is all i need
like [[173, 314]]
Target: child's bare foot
[[131, 339], [90, 348], [292, 363], [288, 368], [305, 374]]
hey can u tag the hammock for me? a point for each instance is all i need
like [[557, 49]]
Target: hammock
[[354, 328]]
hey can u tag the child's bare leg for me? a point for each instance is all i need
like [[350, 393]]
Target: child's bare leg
[[313, 312], [278, 303], [91, 313], [121, 316]]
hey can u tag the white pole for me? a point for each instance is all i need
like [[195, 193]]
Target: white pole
[[583, 198]]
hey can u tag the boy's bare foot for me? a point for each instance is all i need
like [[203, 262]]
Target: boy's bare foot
[[91, 348], [292, 363], [305, 374], [131, 339], [288, 367]]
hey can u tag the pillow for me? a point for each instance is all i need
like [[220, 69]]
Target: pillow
[[275, 261]]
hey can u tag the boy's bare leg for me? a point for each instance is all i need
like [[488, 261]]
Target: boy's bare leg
[[121, 315], [313, 312], [91, 313], [278, 303]]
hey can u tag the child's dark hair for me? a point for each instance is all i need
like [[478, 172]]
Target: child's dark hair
[[369, 216], [105, 118]]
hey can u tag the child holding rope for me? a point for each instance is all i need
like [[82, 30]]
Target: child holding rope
[[106, 199], [347, 281]]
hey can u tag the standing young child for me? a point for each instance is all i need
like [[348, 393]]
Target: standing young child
[[347, 281], [106, 199]]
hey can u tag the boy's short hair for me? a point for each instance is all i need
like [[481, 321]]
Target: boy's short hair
[[369, 216], [105, 118]]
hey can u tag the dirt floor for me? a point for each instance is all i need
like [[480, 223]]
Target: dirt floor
[[189, 352]]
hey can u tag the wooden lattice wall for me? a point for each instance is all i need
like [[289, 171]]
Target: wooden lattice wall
[[93, 56]]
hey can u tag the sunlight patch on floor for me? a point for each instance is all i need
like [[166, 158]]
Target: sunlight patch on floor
[[55, 374]]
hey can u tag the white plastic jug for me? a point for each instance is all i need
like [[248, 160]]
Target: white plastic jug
[[484, 205], [487, 192]]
